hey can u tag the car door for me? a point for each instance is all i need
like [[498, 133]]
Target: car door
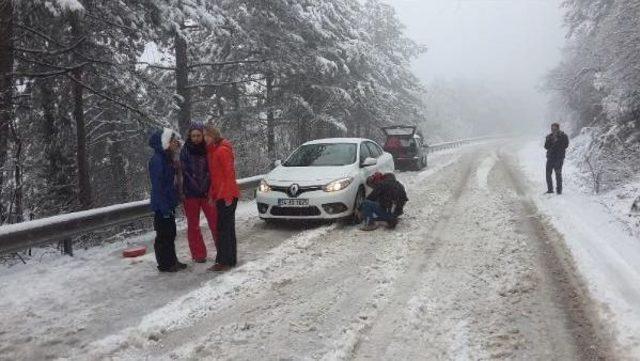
[[385, 160], [365, 153]]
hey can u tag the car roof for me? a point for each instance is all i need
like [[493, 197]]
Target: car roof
[[338, 140]]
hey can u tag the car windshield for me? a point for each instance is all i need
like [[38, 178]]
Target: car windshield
[[323, 155]]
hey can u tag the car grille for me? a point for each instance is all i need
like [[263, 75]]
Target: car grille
[[295, 211], [301, 190]]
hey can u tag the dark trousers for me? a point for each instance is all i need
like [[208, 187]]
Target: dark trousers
[[554, 165], [164, 244], [227, 248]]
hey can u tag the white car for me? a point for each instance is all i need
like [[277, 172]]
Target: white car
[[322, 179]]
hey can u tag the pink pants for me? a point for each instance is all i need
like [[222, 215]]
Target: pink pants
[[192, 207]]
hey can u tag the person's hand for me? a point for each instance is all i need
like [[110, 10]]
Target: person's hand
[[211, 202]]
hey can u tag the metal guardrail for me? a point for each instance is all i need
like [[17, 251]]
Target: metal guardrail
[[455, 144], [15, 237]]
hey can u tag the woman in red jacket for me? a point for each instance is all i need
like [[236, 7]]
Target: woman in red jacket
[[224, 193]]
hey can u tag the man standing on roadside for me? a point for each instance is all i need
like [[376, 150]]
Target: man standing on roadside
[[556, 145]]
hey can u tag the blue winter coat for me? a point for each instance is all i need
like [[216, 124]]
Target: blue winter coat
[[164, 193], [195, 171]]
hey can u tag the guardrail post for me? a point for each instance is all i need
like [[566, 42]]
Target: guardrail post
[[67, 247]]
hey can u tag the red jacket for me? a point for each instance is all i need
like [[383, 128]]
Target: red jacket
[[223, 172]]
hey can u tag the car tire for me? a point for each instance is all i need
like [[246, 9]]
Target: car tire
[[269, 221], [417, 165], [360, 197]]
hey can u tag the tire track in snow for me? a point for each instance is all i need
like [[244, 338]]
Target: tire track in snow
[[211, 297], [373, 339], [591, 337]]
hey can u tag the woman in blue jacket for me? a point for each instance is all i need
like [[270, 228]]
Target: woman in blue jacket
[[164, 198]]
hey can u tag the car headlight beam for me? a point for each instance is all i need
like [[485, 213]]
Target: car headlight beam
[[338, 184]]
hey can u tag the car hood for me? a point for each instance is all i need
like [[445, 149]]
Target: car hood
[[307, 176]]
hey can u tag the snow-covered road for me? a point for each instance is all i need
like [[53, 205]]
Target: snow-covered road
[[473, 272]]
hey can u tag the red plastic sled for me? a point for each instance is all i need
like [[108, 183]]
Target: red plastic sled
[[134, 252]]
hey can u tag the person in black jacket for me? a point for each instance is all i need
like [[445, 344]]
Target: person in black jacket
[[385, 203], [556, 145]]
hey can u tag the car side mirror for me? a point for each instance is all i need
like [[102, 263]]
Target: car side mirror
[[277, 163], [369, 162]]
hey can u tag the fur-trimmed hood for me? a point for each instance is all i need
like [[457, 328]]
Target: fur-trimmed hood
[[161, 139]]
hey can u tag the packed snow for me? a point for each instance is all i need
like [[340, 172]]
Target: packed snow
[[466, 275]]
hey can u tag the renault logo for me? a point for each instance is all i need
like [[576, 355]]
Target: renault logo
[[293, 190]]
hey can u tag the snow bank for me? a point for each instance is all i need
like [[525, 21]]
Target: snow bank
[[605, 249]]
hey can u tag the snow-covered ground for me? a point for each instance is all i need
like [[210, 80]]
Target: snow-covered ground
[[472, 272], [602, 237]]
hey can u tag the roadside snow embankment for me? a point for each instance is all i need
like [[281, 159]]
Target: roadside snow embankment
[[602, 239]]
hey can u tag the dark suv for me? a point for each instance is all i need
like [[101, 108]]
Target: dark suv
[[406, 145]]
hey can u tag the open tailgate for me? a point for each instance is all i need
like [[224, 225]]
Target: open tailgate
[[400, 130]]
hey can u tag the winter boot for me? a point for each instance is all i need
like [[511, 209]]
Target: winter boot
[[171, 269], [369, 226]]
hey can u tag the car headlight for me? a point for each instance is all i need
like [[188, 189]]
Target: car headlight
[[264, 187], [337, 185]]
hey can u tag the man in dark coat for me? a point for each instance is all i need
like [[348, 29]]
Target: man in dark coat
[[385, 203], [164, 198], [556, 145]]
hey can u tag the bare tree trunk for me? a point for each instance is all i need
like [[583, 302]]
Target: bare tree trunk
[[182, 82], [271, 138], [6, 86], [84, 181], [237, 118], [17, 176], [118, 170]]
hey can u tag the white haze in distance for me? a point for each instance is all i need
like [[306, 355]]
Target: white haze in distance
[[508, 45]]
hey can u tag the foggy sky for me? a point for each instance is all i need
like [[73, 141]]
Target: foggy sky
[[510, 43]]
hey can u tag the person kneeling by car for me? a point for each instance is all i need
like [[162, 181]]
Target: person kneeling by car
[[385, 203]]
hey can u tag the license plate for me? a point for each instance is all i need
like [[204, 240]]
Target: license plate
[[293, 202]]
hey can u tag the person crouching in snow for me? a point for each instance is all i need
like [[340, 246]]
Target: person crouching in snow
[[224, 194], [164, 198], [195, 187], [385, 203]]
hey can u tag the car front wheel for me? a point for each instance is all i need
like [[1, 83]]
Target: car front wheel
[[360, 196]]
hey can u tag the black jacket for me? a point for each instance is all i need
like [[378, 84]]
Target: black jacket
[[556, 145], [391, 195]]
